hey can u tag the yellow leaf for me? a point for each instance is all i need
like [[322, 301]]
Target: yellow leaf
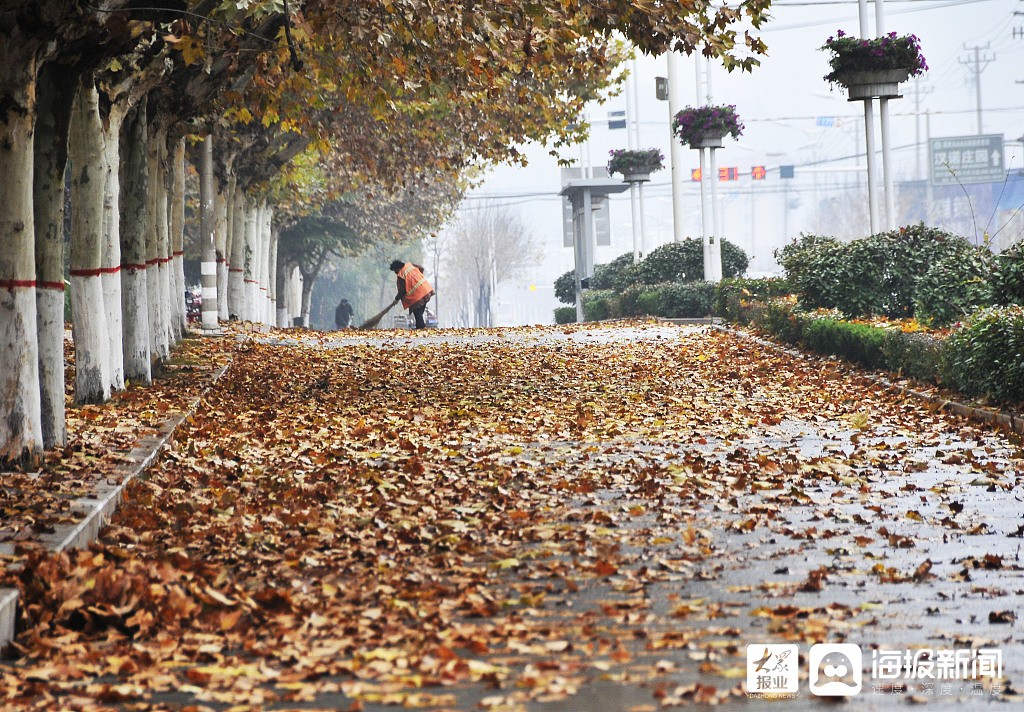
[[191, 50]]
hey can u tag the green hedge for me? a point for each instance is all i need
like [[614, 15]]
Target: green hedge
[[779, 317], [986, 356], [876, 275], [676, 300], [601, 304], [859, 343], [565, 315], [681, 261], [687, 300], [673, 300], [1007, 279], [733, 296], [674, 262]]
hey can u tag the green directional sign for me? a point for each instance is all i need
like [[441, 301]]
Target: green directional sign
[[967, 159]]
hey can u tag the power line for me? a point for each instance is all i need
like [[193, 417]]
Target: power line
[[808, 117], [819, 23]]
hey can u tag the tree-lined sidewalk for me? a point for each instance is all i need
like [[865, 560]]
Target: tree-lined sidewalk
[[595, 517], [315, 128]]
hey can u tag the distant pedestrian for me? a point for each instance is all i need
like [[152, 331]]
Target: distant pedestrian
[[343, 314], [413, 289]]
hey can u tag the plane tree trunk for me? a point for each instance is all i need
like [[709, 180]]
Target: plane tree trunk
[[54, 93], [21, 437], [89, 319]]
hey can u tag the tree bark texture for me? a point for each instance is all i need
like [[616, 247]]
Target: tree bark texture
[[89, 318], [178, 313], [21, 437], [236, 271], [156, 234], [222, 232], [249, 265], [207, 234], [266, 217], [110, 263], [282, 286], [54, 94], [134, 227], [272, 278]]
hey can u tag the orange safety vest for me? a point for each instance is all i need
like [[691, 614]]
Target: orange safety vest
[[416, 285]]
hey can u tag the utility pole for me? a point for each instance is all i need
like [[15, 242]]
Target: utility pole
[[979, 64], [675, 96], [1018, 31], [919, 92]]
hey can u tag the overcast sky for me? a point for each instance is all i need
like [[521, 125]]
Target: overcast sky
[[792, 116]]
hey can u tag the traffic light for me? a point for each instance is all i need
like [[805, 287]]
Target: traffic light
[[695, 175], [728, 173], [758, 173]]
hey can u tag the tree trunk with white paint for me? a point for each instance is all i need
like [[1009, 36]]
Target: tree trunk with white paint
[[54, 94], [21, 436], [110, 261], [163, 206], [89, 318], [282, 282], [272, 278], [207, 234], [236, 272], [249, 265], [307, 301], [222, 245], [264, 271], [134, 227], [295, 309], [178, 315], [156, 233]]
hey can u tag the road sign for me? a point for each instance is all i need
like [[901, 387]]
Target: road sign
[[616, 119], [967, 159]]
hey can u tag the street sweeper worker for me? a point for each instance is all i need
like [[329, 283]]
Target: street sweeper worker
[[413, 289]]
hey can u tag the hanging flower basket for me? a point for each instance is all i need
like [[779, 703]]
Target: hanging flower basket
[[706, 126], [873, 68], [635, 166]]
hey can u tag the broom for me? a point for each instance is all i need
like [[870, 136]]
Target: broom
[[372, 322]]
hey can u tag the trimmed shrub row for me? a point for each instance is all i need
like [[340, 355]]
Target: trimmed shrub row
[[671, 263], [672, 300], [983, 359], [916, 271], [986, 356]]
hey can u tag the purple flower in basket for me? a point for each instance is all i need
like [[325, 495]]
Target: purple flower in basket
[[889, 52], [694, 124], [629, 162]]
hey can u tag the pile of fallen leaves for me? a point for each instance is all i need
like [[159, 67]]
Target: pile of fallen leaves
[[501, 522]]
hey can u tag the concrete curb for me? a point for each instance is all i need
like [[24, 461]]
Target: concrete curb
[[100, 508], [1010, 421]]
